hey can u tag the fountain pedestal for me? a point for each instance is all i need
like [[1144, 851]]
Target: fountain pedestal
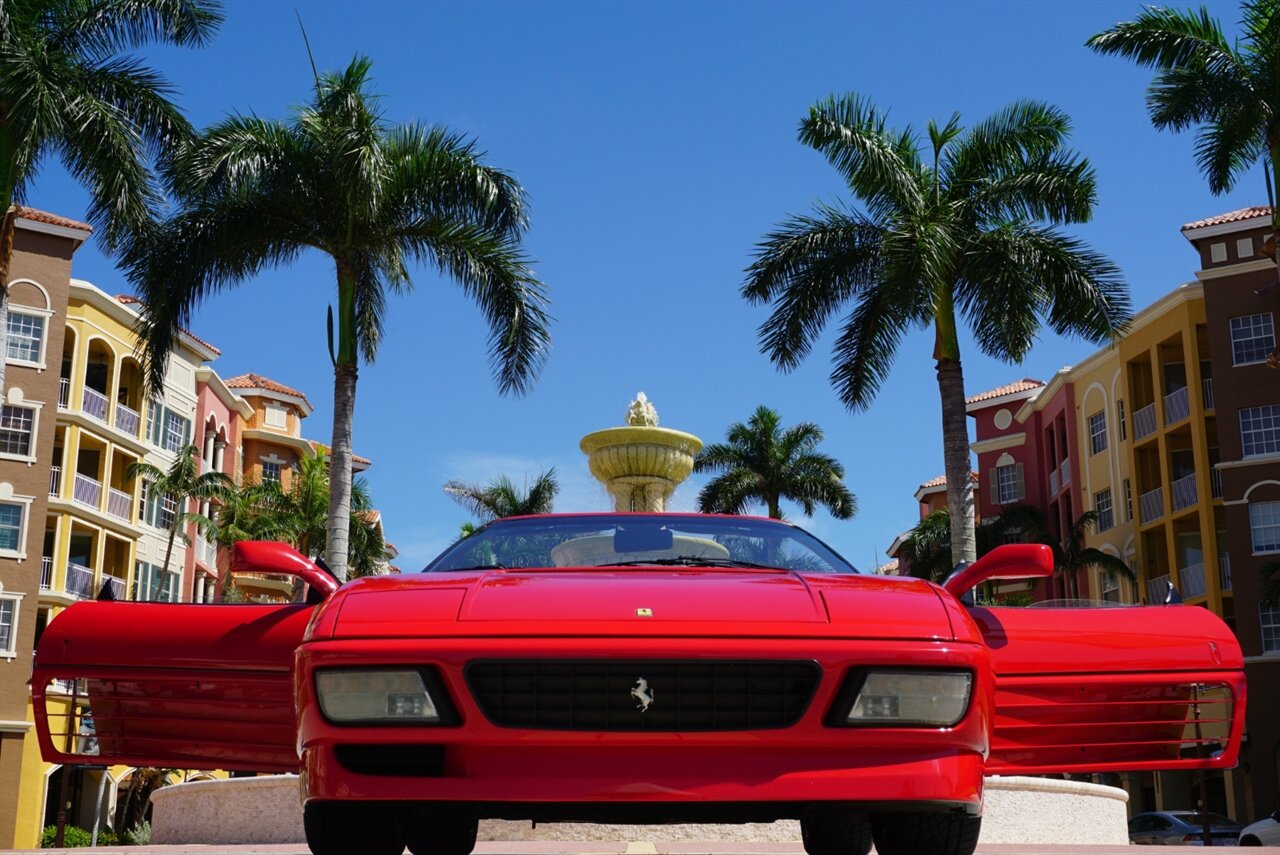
[[640, 464]]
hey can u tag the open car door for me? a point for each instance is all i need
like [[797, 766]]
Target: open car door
[[186, 686], [1103, 689]]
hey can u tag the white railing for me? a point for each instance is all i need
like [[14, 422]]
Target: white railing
[[1158, 589], [1177, 406], [1151, 505], [1215, 483], [1207, 386], [1184, 492], [95, 404], [119, 504], [87, 491], [79, 580], [206, 552], [1053, 481], [1191, 580], [1066, 472], [1144, 421], [1224, 571], [64, 392], [117, 585], [127, 419], [55, 480], [46, 574]]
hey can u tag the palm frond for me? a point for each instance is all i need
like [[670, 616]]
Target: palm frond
[[868, 342], [99, 27], [730, 493], [1166, 38]]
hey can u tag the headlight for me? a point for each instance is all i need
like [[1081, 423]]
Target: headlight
[[375, 696], [919, 698]]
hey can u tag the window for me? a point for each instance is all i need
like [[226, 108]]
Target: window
[[1128, 499], [152, 583], [1244, 247], [1218, 252], [1098, 432], [270, 471], [1252, 338], [8, 626], [1264, 525], [16, 427], [1109, 585], [1102, 507], [1269, 617], [1259, 430], [11, 526], [1124, 429], [276, 416], [175, 432], [1008, 483], [26, 337], [167, 512]]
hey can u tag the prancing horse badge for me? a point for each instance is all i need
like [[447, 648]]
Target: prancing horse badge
[[643, 694]]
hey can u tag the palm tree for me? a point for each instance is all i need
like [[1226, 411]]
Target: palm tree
[[764, 463], [502, 498], [1071, 556], [66, 91], [961, 229], [1228, 88], [182, 482], [254, 194]]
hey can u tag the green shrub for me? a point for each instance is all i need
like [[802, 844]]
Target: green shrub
[[139, 835], [72, 836]]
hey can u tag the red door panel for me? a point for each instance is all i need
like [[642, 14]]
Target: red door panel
[[178, 686], [1113, 689]]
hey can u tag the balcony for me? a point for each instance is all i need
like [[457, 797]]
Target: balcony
[[1151, 505], [1184, 492], [1157, 589], [1215, 483], [119, 504], [127, 420], [1207, 387], [1053, 481], [55, 480], [1144, 422], [116, 583], [1191, 580], [64, 392], [206, 552], [94, 403], [1224, 571], [46, 574], [87, 491], [1065, 470], [1177, 406], [79, 580]]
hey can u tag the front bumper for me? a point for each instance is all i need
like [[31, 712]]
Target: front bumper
[[513, 772]]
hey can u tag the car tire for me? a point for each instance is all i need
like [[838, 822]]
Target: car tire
[[340, 828], [836, 833], [925, 833], [436, 832], [1250, 841]]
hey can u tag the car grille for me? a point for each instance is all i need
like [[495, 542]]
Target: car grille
[[596, 694]]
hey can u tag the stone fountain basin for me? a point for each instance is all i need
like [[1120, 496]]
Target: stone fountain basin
[[646, 452]]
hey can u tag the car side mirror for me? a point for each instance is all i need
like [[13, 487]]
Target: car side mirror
[[269, 556], [1013, 561]]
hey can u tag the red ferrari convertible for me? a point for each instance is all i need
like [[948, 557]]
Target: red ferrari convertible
[[641, 668]]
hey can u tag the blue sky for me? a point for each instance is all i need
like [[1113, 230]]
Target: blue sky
[[657, 143]]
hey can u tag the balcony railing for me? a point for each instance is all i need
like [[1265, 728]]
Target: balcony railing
[[1177, 406], [1191, 580], [46, 573], [127, 420], [206, 552], [55, 480], [116, 583], [1144, 421], [64, 392], [1224, 571], [119, 504], [95, 404], [1215, 483], [1207, 386], [1184, 492], [1157, 589], [1151, 505], [87, 491], [1053, 481], [79, 580], [1065, 471]]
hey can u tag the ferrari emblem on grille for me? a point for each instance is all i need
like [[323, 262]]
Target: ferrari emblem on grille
[[643, 694]]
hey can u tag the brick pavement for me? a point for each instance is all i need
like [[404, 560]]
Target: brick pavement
[[605, 848]]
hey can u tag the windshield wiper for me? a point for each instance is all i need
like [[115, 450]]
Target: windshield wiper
[[692, 561]]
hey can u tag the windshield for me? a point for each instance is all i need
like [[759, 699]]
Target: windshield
[[632, 540]]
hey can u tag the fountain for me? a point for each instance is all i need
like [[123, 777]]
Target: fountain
[[640, 464]]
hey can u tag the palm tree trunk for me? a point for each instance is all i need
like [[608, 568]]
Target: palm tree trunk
[[173, 535], [775, 508], [955, 433], [344, 404]]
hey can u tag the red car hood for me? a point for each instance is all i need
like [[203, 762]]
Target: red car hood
[[642, 601]]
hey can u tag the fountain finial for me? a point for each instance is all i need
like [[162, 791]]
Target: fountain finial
[[641, 412]]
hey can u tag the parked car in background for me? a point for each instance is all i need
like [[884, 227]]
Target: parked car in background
[[1264, 832], [1182, 828]]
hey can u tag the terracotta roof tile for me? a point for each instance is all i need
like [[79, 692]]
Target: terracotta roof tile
[[52, 219], [1231, 217], [356, 458], [130, 300], [1022, 385], [941, 481], [257, 381]]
